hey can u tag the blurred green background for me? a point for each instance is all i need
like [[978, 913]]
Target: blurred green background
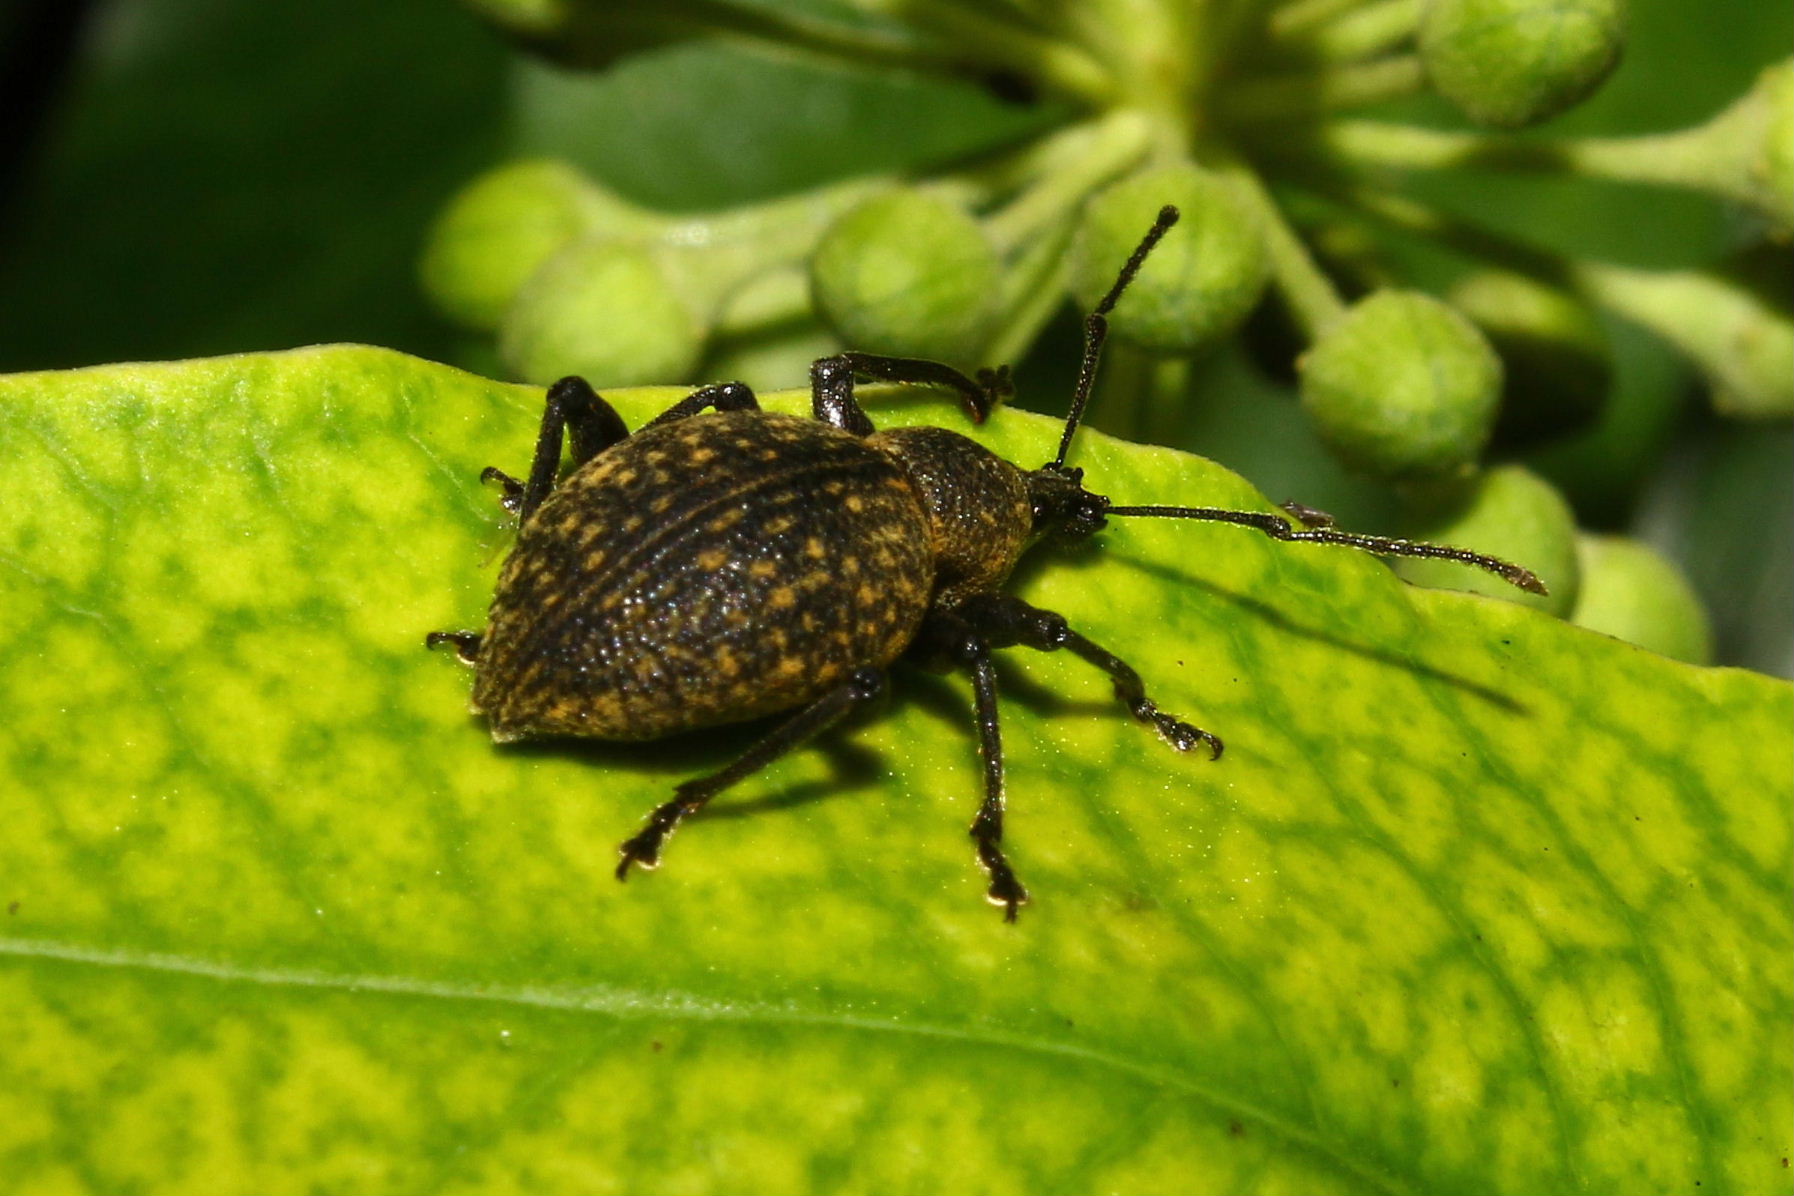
[[192, 177]]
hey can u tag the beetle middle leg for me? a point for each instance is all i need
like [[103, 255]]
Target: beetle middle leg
[[860, 688], [1005, 620], [946, 642], [832, 381], [987, 827]]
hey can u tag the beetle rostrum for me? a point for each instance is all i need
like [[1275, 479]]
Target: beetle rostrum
[[724, 563]]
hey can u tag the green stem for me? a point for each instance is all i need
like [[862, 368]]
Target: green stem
[[1154, 52], [789, 29], [1238, 25], [1364, 32], [1306, 289], [791, 222], [715, 254], [1080, 161], [1471, 240], [1166, 411], [772, 300], [1300, 96], [1687, 158], [1293, 18], [1033, 288], [1743, 343], [984, 37]]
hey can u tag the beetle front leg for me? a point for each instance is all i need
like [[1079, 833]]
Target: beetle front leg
[[644, 849], [832, 381], [1005, 620]]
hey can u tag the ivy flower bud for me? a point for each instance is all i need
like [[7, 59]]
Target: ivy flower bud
[[1556, 365], [606, 310], [499, 229], [1513, 63], [1506, 512], [1632, 593], [1200, 282], [1402, 386], [908, 274]]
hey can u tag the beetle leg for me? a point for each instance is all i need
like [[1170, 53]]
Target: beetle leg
[[593, 425], [987, 827], [467, 644], [946, 642], [513, 495], [832, 381], [724, 396], [1005, 620], [860, 688]]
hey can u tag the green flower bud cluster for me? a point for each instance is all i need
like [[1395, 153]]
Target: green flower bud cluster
[[574, 279], [1246, 117]]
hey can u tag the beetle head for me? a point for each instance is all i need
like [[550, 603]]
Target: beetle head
[[1063, 508]]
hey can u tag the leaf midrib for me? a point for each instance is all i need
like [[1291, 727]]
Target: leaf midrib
[[617, 1002]]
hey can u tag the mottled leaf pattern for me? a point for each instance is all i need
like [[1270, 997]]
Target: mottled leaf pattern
[[1475, 902]]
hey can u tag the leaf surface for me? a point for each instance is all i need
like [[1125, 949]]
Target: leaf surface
[[1474, 902]]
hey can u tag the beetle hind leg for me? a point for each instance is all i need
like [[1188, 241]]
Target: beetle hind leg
[[645, 847], [467, 644]]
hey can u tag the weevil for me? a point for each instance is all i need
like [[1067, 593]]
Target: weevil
[[724, 563]]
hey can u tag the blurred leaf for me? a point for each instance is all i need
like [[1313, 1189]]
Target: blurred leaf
[[1475, 902], [697, 127], [228, 176]]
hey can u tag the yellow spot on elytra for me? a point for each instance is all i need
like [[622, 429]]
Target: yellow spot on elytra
[[866, 594], [762, 569], [712, 559], [855, 503], [813, 547], [726, 520], [782, 598], [780, 525]]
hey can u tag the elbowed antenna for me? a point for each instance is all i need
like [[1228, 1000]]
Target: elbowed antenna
[[1096, 329], [1319, 531]]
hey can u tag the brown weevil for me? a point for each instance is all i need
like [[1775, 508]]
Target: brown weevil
[[724, 563]]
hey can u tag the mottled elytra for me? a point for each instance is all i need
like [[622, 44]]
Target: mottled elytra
[[724, 563]]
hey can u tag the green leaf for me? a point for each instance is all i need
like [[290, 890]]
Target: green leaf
[[1475, 902]]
